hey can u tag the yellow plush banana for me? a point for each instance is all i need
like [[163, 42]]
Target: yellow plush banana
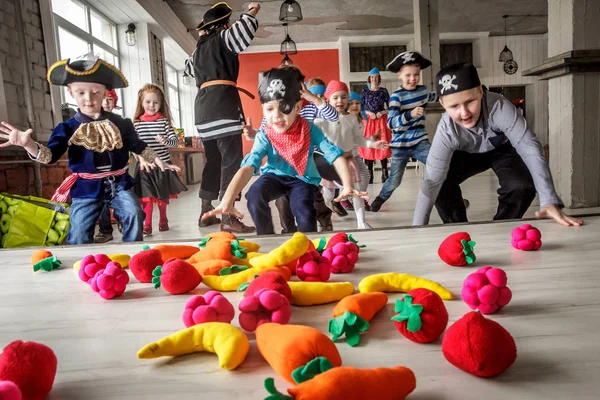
[[246, 261], [289, 251], [229, 343], [396, 282], [228, 283], [313, 293], [122, 259]]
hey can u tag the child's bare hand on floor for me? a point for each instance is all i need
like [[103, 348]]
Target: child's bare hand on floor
[[223, 209]]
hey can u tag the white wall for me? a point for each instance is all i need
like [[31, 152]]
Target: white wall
[[187, 96]]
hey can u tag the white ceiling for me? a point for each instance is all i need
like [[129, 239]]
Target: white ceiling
[[327, 20]]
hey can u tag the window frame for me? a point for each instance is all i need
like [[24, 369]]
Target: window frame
[[175, 87]]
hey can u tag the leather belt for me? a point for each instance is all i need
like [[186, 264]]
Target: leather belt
[[227, 83]]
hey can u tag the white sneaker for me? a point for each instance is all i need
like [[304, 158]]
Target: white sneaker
[[364, 225]]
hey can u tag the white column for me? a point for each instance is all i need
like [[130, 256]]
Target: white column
[[427, 37]]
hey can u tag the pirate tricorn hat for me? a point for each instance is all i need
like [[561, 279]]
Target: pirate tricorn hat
[[456, 78], [87, 68], [408, 58], [217, 15], [280, 84]]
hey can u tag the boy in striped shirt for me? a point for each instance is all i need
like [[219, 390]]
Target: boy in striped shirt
[[406, 120]]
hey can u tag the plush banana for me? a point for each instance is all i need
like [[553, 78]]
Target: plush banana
[[313, 293], [396, 282]]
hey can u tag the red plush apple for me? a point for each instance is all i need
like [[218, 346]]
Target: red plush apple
[[143, 263], [422, 316], [479, 346], [457, 250], [31, 366]]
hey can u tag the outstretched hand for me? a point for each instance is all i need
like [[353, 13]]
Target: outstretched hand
[[223, 209], [349, 192], [166, 167], [15, 137], [381, 145], [554, 212]]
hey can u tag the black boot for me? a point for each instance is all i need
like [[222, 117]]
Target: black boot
[[206, 207], [376, 204]]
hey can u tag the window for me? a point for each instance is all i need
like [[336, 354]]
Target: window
[[452, 53], [173, 95], [365, 58], [80, 29]]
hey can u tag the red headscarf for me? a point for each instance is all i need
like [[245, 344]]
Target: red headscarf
[[335, 86], [113, 93]]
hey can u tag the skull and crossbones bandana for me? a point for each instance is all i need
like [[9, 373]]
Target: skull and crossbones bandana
[[408, 58], [457, 78], [280, 84]]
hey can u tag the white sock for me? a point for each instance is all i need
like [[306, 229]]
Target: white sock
[[328, 195], [359, 209]]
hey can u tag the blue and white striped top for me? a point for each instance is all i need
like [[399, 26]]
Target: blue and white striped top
[[310, 112], [408, 131]]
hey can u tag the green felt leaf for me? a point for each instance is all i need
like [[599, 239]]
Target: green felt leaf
[[237, 250], [468, 251], [409, 312], [272, 390], [156, 273], [203, 242], [145, 247], [313, 368], [351, 239], [349, 324], [352, 337], [243, 287], [322, 244], [234, 269], [47, 264]]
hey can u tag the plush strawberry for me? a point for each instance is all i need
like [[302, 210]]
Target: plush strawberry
[[422, 316], [143, 264], [176, 276], [270, 280], [212, 307], [313, 267], [342, 256], [526, 238], [485, 290], [457, 250], [92, 264], [31, 366], [262, 307], [110, 282], [479, 346]]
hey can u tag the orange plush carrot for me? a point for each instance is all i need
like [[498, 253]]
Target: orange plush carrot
[[351, 383], [40, 255], [353, 313], [288, 348], [219, 250], [180, 251], [211, 267]]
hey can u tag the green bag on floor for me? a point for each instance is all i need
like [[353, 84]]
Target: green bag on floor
[[32, 221]]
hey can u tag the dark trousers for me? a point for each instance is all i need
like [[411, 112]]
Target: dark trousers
[[515, 194], [286, 217], [223, 158], [270, 187], [104, 224]]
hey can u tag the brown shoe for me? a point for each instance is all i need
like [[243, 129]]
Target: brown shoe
[[232, 224], [103, 237], [203, 223]]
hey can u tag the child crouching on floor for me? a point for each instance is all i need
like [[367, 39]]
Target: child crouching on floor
[[288, 142]]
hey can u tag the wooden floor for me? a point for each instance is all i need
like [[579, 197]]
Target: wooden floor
[[554, 317]]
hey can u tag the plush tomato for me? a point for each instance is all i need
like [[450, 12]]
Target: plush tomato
[[457, 250], [422, 316]]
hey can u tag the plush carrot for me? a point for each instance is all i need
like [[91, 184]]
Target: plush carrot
[[353, 314], [228, 283], [351, 383], [44, 260], [229, 343], [288, 348], [396, 282], [291, 250], [219, 250], [211, 267], [40, 255], [180, 251], [313, 293]]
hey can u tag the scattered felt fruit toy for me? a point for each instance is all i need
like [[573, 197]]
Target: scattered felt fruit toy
[[31, 366], [341, 237], [422, 316], [143, 264], [348, 383], [352, 315], [313, 267], [397, 282], [262, 307], [457, 250], [229, 343], [211, 267], [212, 307], [289, 251], [183, 252], [228, 283], [271, 280], [313, 293], [486, 291], [343, 257], [526, 238], [110, 282], [479, 346], [288, 348], [176, 276], [122, 259], [43, 260], [10, 391], [219, 249], [91, 264]]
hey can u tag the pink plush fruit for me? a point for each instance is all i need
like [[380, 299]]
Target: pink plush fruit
[[485, 290], [342, 256], [262, 307], [90, 265], [212, 307], [10, 391], [111, 281], [526, 238], [313, 267]]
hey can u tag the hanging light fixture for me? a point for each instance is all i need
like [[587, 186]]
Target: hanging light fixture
[[288, 46], [506, 54], [130, 35], [287, 61], [290, 11], [188, 71]]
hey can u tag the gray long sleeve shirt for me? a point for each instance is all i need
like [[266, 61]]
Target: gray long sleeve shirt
[[499, 122]]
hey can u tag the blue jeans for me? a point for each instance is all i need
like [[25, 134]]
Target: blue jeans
[[400, 157], [85, 213], [270, 187], [104, 224]]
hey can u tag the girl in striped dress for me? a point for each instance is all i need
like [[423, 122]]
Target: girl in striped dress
[[152, 121]]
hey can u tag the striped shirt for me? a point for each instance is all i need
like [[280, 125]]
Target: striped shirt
[[406, 130], [147, 131], [310, 112], [237, 39]]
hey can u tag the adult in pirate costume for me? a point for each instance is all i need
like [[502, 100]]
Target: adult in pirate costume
[[98, 145], [219, 115], [482, 130]]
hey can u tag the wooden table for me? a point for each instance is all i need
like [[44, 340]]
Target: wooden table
[[554, 317]]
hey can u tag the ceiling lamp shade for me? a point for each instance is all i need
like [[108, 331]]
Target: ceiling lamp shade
[[290, 11], [287, 61], [506, 54], [288, 46]]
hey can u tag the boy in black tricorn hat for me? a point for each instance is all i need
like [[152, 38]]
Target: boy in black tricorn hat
[[98, 145], [219, 115], [288, 142], [482, 130]]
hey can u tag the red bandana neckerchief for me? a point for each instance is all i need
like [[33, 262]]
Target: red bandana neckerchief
[[151, 118], [293, 145]]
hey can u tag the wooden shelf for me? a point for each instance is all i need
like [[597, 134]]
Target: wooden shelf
[[567, 63]]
